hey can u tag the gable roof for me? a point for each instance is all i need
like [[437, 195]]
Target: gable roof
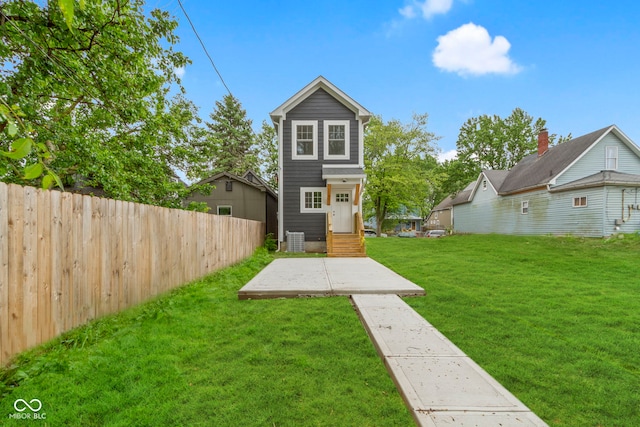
[[535, 171], [262, 186], [319, 83]]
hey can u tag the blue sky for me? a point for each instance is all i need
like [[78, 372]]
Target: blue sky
[[574, 63]]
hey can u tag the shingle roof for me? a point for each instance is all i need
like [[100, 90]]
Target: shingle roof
[[535, 171], [600, 179], [463, 196], [496, 178]]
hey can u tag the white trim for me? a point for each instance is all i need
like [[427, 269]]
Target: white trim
[[323, 195], [224, 206], [524, 204], [347, 139], [360, 143], [280, 181], [294, 142]]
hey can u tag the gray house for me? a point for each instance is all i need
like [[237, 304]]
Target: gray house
[[321, 170], [246, 197], [589, 186]]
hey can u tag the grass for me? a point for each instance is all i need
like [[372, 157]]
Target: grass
[[200, 357], [555, 320]]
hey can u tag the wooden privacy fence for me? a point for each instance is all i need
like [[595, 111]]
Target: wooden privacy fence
[[67, 258]]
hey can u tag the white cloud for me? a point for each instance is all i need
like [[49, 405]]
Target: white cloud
[[447, 155], [435, 7], [427, 7], [180, 71], [469, 50], [408, 11]]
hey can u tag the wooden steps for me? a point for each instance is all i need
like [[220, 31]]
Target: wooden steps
[[346, 245]]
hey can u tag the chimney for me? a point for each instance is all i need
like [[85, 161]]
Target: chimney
[[543, 142]]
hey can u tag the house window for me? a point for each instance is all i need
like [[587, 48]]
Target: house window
[[612, 158], [484, 184], [228, 186], [224, 210], [311, 199], [580, 202], [336, 139], [305, 140], [524, 207]]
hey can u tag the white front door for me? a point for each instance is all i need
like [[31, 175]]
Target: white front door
[[341, 207]]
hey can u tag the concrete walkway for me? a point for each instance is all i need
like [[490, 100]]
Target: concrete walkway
[[440, 385]]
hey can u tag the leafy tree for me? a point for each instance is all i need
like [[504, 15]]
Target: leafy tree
[[267, 143], [97, 98], [398, 160], [491, 142], [231, 136]]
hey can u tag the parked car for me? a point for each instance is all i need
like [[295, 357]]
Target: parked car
[[436, 233], [370, 232], [407, 234]]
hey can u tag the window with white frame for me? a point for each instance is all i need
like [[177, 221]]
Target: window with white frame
[[336, 139], [580, 202], [224, 210], [311, 199], [304, 135], [611, 158], [524, 207]]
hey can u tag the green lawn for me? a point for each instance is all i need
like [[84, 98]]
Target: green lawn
[[201, 357], [555, 320]]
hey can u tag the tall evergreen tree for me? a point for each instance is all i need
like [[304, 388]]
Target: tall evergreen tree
[[267, 143], [232, 137]]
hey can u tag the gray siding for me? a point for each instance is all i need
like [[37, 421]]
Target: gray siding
[[594, 161], [246, 202], [319, 106]]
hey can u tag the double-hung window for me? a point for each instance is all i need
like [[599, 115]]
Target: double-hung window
[[611, 158], [304, 135], [524, 207], [580, 202], [336, 139], [311, 199]]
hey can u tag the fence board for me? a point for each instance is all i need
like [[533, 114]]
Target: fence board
[[5, 351], [43, 271], [66, 258]]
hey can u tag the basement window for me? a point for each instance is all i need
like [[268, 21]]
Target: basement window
[[580, 202], [524, 207], [224, 210]]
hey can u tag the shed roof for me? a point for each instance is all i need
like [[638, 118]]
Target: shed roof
[[599, 179]]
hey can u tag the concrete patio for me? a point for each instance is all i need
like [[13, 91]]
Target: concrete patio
[[440, 385], [316, 277]]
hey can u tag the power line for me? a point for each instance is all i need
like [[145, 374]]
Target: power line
[[203, 47]]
